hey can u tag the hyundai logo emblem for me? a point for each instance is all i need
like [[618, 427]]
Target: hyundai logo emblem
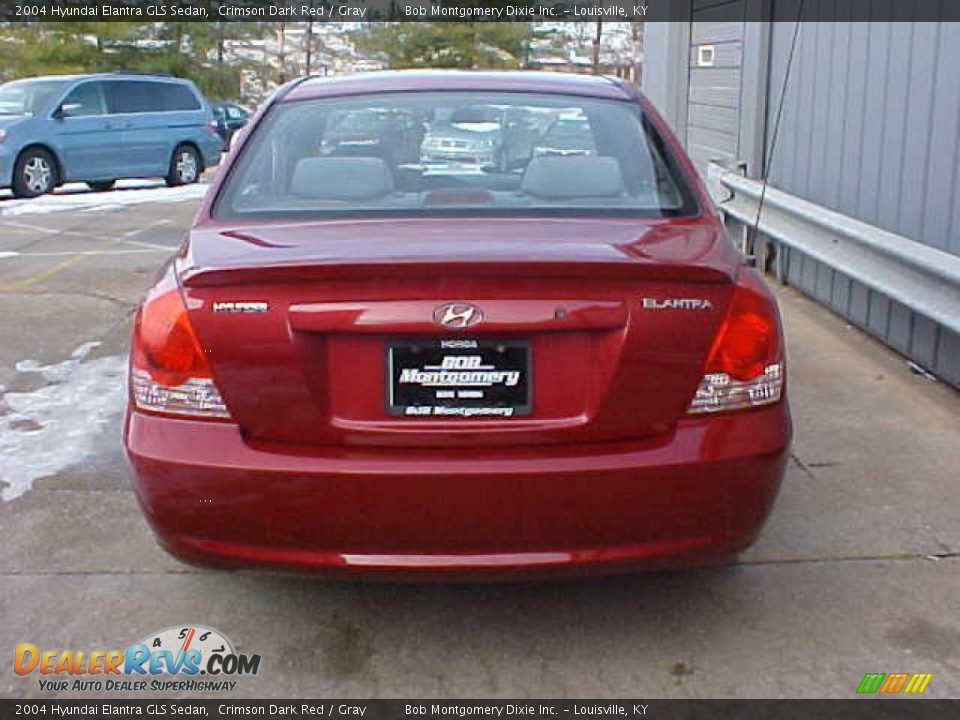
[[457, 315]]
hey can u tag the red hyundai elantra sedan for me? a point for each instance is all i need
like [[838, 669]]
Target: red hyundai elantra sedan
[[457, 325]]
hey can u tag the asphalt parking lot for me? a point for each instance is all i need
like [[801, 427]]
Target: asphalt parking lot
[[857, 570]]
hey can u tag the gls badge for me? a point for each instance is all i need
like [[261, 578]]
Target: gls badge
[[242, 307], [677, 304]]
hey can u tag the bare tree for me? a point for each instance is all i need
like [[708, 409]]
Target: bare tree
[[309, 45]]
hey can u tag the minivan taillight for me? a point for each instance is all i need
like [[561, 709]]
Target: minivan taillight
[[745, 366], [169, 373]]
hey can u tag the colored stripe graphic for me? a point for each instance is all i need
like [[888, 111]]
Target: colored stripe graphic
[[870, 683], [894, 682], [918, 682]]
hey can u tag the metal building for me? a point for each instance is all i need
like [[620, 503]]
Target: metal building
[[863, 203]]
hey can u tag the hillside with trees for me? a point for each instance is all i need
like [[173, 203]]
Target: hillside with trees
[[192, 50]]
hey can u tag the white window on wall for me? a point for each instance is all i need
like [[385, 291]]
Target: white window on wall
[[706, 54]]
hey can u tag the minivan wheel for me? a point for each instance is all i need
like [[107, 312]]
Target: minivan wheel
[[184, 166], [101, 185], [34, 174]]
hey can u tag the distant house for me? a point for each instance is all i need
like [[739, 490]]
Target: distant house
[[294, 49], [569, 47]]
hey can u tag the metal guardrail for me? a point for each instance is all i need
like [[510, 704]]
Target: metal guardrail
[[924, 279]]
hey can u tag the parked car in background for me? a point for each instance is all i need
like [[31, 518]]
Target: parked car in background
[[566, 368], [500, 137], [229, 117], [98, 128], [569, 135], [392, 136]]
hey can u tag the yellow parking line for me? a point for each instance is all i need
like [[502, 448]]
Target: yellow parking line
[[49, 272]]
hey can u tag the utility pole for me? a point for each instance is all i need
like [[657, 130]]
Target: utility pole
[[309, 43], [282, 56], [596, 48], [636, 48]]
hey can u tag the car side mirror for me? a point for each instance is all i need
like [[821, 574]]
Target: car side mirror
[[67, 110]]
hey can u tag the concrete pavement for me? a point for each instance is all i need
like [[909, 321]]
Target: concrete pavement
[[857, 570]]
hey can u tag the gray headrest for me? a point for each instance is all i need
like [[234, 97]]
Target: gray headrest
[[572, 176], [341, 178]]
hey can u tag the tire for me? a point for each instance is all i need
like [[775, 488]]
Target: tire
[[35, 173], [101, 185], [185, 166]]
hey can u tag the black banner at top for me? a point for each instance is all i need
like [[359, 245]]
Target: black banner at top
[[478, 10]]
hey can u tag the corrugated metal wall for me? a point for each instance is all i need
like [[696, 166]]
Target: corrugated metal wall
[[871, 128], [871, 123], [713, 102]]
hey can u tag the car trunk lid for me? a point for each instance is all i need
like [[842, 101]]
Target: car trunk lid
[[301, 322]]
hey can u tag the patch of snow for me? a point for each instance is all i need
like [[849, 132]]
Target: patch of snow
[[55, 426], [77, 197]]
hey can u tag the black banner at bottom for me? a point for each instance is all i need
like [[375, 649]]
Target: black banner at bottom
[[860, 709]]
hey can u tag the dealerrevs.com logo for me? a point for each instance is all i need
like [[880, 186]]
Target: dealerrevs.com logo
[[185, 658]]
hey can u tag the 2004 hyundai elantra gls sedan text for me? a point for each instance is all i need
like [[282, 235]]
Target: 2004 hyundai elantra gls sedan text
[[555, 365]]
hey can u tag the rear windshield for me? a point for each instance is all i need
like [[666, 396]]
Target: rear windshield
[[429, 153]]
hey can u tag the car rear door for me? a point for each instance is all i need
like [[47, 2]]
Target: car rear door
[[87, 139]]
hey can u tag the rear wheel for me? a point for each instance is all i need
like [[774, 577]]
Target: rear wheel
[[35, 173], [101, 185], [184, 166]]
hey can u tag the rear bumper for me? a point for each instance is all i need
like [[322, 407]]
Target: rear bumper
[[453, 155], [211, 147], [697, 496]]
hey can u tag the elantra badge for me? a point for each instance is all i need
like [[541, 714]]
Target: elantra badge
[[457, 315], [677, 304]]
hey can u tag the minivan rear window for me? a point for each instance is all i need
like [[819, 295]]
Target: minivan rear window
[[177, 97], [427, 153], [136, 96]]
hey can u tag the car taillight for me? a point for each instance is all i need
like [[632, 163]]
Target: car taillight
[[745, 366], [169, 373]]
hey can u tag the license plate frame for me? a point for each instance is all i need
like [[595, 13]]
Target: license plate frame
[[497, 386]]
